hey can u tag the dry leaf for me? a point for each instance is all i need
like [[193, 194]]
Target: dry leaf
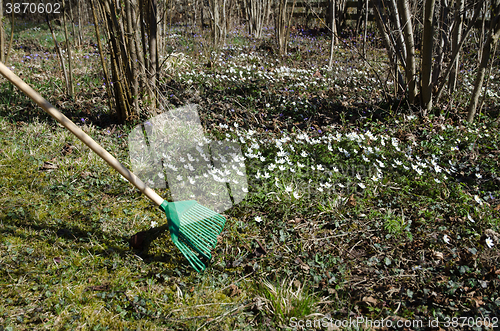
[[370, 300], [67, 149], [234, 290], [437, 255], [303, 266], [49, 166], [351, 202]]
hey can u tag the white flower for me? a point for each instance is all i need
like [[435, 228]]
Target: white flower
[[437, 180], [478, 200], [303, 154], [319, 167], [282, 167], [341, 185], [288, 189], [335, 169], [266, 175], [489, 242], [154, 224], [358, 176], [320, 189], [271, 166], [258, 219], [160, 175], [244, 189], [478, 175], [470, 218], [296, 195], [179, 178], [362, 185], [446, 239]]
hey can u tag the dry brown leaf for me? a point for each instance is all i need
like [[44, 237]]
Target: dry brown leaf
[[370, 300], [351, 202], [437, 255], [49, 166]]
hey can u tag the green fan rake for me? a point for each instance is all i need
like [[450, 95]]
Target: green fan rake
[[193, 227]]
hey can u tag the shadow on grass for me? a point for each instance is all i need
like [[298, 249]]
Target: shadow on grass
[[107, 246]]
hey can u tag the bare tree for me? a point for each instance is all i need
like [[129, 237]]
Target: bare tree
[[491, 41], [410, 68], [101, 52], [256, 12], [2, 34], [59, 53], [427, 43], [283, 18], [456, 37], [218, 24], [71, 90], [333, 32]]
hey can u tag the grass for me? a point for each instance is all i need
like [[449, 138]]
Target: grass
[[356, 207]]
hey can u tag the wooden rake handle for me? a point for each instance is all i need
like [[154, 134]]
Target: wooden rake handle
[[68, 124]]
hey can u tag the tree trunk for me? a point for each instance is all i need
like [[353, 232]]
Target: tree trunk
[[59, 52], [68, 50], [427, 43], [2, 35], [456, 37], [333, 39], [153, 51], [103, 62], [133, 55], [75, 36], [366, 28], [11, 38], [410, 68], [493, 35]]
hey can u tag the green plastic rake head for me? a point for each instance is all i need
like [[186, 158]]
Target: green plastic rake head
[[194, 229]]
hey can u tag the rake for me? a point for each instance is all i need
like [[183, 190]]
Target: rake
[[193, 227]]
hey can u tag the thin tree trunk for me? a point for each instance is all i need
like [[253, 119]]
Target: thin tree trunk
[[366, 28], [410, 68], [133, 55], [401, 47], [11, 38], [75, 36], [59, 52], [333, 39], [143, 8], [493, 36], [391, 47], [80, 39], [427, 43], [68, 50], [103, 62], [153, 60], [454, 56], [2, 35], [456, 37]]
